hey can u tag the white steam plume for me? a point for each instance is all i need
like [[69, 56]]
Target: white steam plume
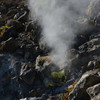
[[57, 18]]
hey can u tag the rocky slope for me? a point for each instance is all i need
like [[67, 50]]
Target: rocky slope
[[26, 70]]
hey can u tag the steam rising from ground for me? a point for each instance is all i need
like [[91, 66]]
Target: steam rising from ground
[[57, 18]]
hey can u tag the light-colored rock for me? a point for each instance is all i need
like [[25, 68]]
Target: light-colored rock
[[43, 61], [24, 99], [93, 8], [93, 12], [94, 92], [91, 46], [88, 79]]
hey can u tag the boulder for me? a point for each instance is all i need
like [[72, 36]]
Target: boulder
[[92, 46], [87, 80], [91, 64], [28, 74], [44, 64], [93, 8], [94, 92], [93, 11], [43, 61], [94, 64]]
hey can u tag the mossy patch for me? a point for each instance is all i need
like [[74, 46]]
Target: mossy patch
[[57, 75]]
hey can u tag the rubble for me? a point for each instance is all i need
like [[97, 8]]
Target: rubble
[[26, 69]]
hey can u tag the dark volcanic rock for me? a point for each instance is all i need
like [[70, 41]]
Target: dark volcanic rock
[[92, 46], [3, 8], [28, 74], [89, 51], [87, 80], [9, 45], [13, 30], [8, 87]]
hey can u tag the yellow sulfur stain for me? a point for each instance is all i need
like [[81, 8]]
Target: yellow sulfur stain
[[68, 91], [3, 28]]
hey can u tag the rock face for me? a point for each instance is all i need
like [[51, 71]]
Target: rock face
[[94, 92]]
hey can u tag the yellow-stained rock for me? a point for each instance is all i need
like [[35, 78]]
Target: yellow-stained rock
[[64, 96], [43, 60], [3, 28]]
